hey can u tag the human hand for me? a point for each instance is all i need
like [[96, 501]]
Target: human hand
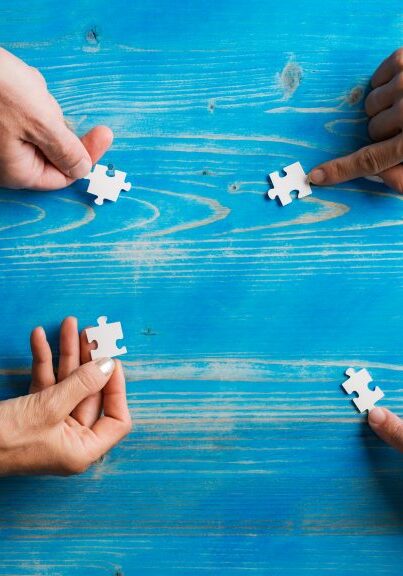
[[384, 106], [388, 426], [37, 149], [57, 428]]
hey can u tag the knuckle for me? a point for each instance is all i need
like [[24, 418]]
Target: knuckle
[[369, 103], [399, 108], [399, 82], [398, 186], [74, 466], [372, 129], [398, 56], [38, 75], [124, 427], [127, 426], [367, 161]]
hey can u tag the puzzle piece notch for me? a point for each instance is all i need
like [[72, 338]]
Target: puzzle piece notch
[[295, 180], [104, 186], [358, 382], [105, 335]]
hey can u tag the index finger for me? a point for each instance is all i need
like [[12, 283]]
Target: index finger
[[388, 69], [367, 161]]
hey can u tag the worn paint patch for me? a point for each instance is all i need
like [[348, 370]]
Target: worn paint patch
[[355, 95], [289, 78]]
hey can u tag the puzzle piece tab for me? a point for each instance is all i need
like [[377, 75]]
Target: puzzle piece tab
[[358, 382], [105, 335], [104, 186], [295, 181]]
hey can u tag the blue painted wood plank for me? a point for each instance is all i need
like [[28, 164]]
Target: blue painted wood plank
[[240, 316]]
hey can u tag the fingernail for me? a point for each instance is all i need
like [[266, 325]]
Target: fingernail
[[106, 365], [81, 169], [377, 416], [375, 178], [317, 176]]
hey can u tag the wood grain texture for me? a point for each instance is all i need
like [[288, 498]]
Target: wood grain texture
[[239, 316]]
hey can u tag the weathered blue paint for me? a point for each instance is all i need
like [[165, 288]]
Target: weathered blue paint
[[239, 316]]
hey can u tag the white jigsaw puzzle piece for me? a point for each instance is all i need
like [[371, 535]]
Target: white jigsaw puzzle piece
[[106, 187], [105, 335], [295, 181], [358, 382]]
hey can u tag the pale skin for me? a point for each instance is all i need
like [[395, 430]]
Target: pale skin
[[66, 421], [58, 428], [37, 149]]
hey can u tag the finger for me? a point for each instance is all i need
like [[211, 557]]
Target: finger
[[394, 178], [62, 148], [116, 422], [384, 125], [114, 396], [96, 141], [383, 97], [387, 426], [370, 160], [89, 410], [86, 347], [69, 358], [57, 402], [389, 67], [42, 368]]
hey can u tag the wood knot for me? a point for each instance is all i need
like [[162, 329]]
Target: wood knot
[[211, 105], [92, 35], [234, 187], [355, 95]]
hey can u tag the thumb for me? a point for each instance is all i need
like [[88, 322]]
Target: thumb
[[388, 426], [63, 149], [367, 161], [59, 401]]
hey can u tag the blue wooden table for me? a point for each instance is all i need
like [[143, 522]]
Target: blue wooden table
[[240, 316]]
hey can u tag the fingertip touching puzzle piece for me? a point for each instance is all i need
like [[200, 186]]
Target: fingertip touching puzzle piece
[[106, 336], [358, 382], [295, 180], [106, 186]]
